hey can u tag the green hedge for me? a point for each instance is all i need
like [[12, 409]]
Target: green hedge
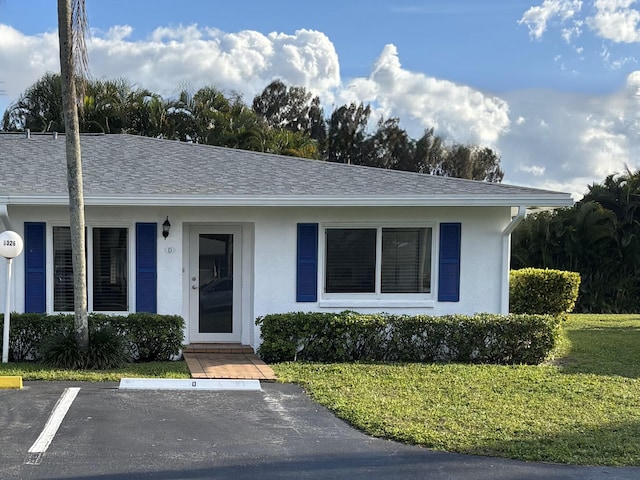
[[349, 336], [28, 330], [543, 291], [149, 337]]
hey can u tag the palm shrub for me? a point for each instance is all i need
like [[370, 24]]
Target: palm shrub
[[107, 349], [62, 351]]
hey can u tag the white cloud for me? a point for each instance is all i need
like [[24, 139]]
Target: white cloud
[[614, 64], [538, 17], [615, 20], [172, 58], [25, 58], [573, 32], [457, 112], [578, 139], [535, 170], [547, 139]]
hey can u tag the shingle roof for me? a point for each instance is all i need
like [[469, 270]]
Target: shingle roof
[[128, 169]]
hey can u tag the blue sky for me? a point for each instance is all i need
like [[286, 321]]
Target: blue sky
[[550, 84]]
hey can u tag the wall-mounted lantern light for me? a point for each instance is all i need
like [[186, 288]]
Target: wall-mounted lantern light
[[166, 226]]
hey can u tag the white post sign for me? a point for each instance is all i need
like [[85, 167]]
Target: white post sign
[[10, 247]]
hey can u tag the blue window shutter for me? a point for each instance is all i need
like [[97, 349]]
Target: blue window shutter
[[307, 270], [449, 266], [146, 267], [35, 289]]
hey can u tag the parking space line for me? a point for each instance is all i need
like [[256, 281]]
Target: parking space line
[[58, 413]]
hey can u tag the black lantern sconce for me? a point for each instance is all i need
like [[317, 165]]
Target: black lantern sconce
[[166, 226]]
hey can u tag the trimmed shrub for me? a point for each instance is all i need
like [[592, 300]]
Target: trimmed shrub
[[27, 331], [146, 337], [543, 291], [349, 336], [153, 337]]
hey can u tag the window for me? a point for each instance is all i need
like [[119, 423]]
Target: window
[[110, 269], [406, 260], [355, 264], [62, 270], [351, 260], [108, 263]]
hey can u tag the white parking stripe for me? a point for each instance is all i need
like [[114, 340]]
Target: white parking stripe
[[51, 427]]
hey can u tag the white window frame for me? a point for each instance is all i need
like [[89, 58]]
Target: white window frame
[[377, 298], [89, 246]]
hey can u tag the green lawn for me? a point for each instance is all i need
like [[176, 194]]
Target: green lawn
[[581, 408], [33, 371]]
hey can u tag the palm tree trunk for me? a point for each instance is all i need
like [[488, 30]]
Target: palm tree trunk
[[74, 171]]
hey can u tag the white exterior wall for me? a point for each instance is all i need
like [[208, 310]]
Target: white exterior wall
[[269, 255], [481, 257]]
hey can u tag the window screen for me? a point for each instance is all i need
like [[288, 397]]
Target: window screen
[[406, 260], [350, 260], [110, 269], [62, 270]]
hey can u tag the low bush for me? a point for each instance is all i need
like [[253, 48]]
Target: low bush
[[146, 337], [107, 349], [154, 338], [28, 330], [62, 351], [349, 336], [543, 291]]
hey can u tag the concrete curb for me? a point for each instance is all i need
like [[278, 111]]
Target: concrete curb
[[188, 384]]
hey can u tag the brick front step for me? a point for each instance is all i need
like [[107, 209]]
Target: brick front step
[[218, 348]]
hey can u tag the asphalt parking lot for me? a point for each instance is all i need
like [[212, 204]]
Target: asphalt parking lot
[[276, 433]]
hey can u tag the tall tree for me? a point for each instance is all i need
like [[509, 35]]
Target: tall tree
[[290, 108], [105, 106], [145, 113], [599, 238], [181, 119], [293, 144], [244, 128], [429, 152], [72, 22], [472, 163], [390, 147], [211, 110], [346, 133], [39, 108]]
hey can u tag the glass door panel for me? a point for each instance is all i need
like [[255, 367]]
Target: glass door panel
[[215, 267], [214, 283]]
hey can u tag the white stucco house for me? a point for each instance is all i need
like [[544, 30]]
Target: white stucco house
[[252, 234]]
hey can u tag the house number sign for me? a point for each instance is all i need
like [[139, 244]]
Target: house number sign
[[10, 244]]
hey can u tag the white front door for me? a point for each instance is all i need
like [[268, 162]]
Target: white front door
[[215, 284]]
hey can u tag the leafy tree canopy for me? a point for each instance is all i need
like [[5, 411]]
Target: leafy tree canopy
[[599, 237], [283, 119]]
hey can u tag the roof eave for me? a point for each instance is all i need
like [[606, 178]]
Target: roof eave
[[537, 200]]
